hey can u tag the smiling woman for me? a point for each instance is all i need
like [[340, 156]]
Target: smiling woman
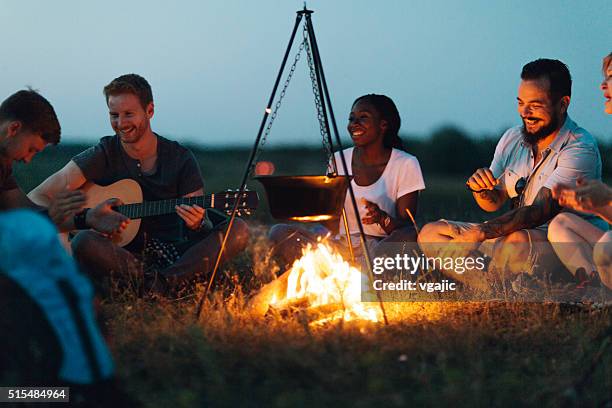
[[386, 182]]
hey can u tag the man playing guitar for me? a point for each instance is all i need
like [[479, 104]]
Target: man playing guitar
[[176, 247]]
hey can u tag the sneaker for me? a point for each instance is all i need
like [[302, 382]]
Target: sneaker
[[587, 280], [593, 292]]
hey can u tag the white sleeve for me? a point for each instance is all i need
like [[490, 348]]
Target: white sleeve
[[347, 158], [410, 177]]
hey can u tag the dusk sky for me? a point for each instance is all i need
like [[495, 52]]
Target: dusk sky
[[212, 64]]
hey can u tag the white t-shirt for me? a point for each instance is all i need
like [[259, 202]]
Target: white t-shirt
[[401, 176]]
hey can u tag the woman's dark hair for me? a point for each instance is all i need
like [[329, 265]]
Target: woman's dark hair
[[388, 111]]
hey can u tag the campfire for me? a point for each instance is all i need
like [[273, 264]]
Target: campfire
[[320, 284]]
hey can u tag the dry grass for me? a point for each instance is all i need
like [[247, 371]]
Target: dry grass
[[431, 353], [459, 354]]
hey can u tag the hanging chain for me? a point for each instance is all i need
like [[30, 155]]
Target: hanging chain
[[278, 104], [317, 99]]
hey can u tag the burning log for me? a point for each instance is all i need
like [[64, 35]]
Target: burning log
[[322, 284], [269, 294], [310, 314]]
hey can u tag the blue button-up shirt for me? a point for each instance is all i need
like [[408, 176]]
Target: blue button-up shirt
[[573, 153]]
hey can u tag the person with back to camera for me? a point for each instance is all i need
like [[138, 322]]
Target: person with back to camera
[[48, 331]]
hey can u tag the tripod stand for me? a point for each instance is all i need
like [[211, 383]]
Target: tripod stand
[[326, 115]]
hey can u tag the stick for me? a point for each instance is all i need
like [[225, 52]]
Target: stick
[[416, 227]]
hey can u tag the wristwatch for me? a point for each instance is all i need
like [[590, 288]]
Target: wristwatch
[[80, 219]]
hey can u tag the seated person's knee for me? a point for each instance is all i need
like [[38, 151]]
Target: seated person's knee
[[511, 246], [602, 255], [602, 252], [431, 232], [429, 237], [558, 226]]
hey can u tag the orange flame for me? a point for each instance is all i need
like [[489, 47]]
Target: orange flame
[[322, 277]]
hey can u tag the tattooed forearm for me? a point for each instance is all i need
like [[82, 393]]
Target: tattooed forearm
[[490, 200], [491, 196], [542, 210]]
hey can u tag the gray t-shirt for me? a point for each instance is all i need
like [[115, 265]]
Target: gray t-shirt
[[177, 173]]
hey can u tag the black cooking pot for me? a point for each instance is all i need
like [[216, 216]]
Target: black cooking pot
[[305, 198]]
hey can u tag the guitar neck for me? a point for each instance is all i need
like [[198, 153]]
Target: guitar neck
[[162, 207]]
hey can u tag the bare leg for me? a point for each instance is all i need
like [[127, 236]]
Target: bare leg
[[573, 239], [437, 232], [435, 239], [526, 251], [201, 256], [602, 255]]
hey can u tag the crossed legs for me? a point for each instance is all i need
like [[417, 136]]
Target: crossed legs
[[515, 253], [100, 257]]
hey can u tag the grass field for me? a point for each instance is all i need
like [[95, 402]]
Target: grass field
[[431, 354]]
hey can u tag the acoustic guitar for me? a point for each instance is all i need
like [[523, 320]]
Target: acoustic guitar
[[130, 193]]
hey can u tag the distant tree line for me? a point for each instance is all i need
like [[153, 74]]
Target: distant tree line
[[451, 151], [447, 151]]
